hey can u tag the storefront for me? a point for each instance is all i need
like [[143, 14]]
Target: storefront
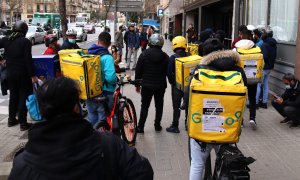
[[228, 15], [282, 18]]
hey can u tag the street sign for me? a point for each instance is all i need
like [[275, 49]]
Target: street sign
[[160, 12]]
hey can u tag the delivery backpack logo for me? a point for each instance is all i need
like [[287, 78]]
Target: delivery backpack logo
[[211, 119], [98, 85]]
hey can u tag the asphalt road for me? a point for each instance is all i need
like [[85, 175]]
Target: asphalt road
[[39, 49]]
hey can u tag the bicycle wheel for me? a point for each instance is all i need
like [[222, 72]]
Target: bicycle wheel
[[128, 122]]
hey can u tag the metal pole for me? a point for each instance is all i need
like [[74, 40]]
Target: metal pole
[[44, 6]]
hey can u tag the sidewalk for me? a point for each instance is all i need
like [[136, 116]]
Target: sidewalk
[[275, 147]]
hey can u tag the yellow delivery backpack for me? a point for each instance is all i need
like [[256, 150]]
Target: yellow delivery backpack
[[252, 62], [84, 68], [216, 106], [184, 67], [193, 49]]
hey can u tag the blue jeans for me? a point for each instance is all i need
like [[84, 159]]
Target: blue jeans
[[199, 158], [265, 84], [98, 111]]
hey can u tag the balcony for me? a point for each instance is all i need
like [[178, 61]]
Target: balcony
[[44, 1]]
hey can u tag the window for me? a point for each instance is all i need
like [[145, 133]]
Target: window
[[38, 8], [258, 13], [283, 17]]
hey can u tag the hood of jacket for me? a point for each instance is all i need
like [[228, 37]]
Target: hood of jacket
[[222, 60], [270, 41], [245, 44], [96, 49], [61, 145]]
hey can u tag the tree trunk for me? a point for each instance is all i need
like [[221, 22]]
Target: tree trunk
[[11, 17], [63, 17]]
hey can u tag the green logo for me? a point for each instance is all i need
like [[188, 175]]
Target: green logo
[[196, 117], [98, 77], [81, 78]]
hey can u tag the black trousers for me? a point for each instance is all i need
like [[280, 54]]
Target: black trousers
[[177, 97], [290, 112], [20, 87], [126, 52], [147, 94], [252, 88]]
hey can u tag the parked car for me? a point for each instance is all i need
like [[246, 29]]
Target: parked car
[[81, 34], [36, 34], [89, 28], [5, 32]]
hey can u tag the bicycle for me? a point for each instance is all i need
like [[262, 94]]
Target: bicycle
[[122, 119]]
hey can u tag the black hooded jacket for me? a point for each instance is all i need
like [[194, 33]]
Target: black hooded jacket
[[269, 50], [68, 148], [152, 68]]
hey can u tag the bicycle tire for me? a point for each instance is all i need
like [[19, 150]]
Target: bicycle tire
[[128, 122]]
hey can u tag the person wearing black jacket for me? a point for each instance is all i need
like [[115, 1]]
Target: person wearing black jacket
[[66, 147], [288, 104], [152, 68], [20, 73], [179, 46], [70, 41]]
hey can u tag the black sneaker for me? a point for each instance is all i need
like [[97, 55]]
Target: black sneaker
[[172, 129], [294, 125], [139, 130], [26, 126], [263, 105], [12, 122], [158, 128], [285, 121]]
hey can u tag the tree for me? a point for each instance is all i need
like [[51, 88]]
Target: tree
[[63, 16], [150, 8], [107, 4], [13, 5]]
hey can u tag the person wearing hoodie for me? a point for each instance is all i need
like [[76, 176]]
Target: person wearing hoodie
[[245, 43], [269, 50], [152, 70], [179, 46], [223, 60], [66, 147], [133, 43], [97, 110]]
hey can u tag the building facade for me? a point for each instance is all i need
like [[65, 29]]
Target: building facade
[[24, 9], [281, 16]]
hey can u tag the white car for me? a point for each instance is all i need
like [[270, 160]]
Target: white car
[[36, 34], [81, 34]]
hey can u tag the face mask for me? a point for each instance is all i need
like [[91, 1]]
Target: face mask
[[73, 41], [287, 86]]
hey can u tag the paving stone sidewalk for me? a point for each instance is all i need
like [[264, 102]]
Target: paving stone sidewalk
[[275, 147]]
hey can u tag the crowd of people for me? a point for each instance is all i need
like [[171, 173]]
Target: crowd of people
[[66, 146]]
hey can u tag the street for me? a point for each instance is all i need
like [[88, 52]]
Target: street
[[39, 49], [274, 146]]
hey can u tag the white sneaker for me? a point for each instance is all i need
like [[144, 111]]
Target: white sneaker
[[252, 124]]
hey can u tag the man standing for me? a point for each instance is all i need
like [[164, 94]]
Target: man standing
[[288, 105], [21, 73], [268, 49], [133, 44], [179, 46], [119, 41], [152, 69], [191, 33], [97, 110]]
